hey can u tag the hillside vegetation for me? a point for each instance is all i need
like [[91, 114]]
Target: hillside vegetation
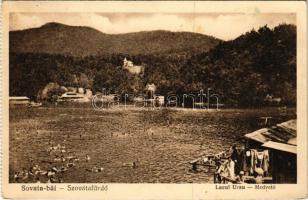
[[241, 71]]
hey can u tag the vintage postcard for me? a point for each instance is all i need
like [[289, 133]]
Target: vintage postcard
[[154, 100]]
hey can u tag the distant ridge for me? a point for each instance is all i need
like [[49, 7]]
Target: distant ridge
[[56, 38]]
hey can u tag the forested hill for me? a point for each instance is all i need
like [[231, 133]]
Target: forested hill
[[55, 38], [242, 71], [248, 68]]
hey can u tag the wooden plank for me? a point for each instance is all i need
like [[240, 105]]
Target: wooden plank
[[229, 179], [245, 178], [194, 161], [267, 178], [202, 164]]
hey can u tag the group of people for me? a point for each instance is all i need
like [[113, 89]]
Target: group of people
[[242, 164], [230, 168], [58, 161]]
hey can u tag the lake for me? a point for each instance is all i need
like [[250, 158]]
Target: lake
[[129, 146]]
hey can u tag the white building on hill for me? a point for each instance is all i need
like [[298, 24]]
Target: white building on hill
[[129, 65]]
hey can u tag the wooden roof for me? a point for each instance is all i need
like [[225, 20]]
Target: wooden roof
[[281, 137]]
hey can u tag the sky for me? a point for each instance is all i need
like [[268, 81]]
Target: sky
[[224, 26]]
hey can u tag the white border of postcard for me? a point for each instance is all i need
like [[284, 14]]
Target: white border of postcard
[[167, 191]]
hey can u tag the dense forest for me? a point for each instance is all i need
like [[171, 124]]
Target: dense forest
[[241, 71]]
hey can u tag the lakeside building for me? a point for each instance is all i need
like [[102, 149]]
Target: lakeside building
[[73, 97], [281, 142], [19, 100]]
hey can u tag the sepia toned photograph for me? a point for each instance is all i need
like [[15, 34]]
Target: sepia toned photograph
[[154, 100], [140, 98]]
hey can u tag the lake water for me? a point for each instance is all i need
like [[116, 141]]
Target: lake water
[[160, 142]]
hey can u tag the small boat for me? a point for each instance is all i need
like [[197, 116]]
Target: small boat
[[33, 104], [132, 164]]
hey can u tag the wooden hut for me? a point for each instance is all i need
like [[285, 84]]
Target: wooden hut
[[281, 143]]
